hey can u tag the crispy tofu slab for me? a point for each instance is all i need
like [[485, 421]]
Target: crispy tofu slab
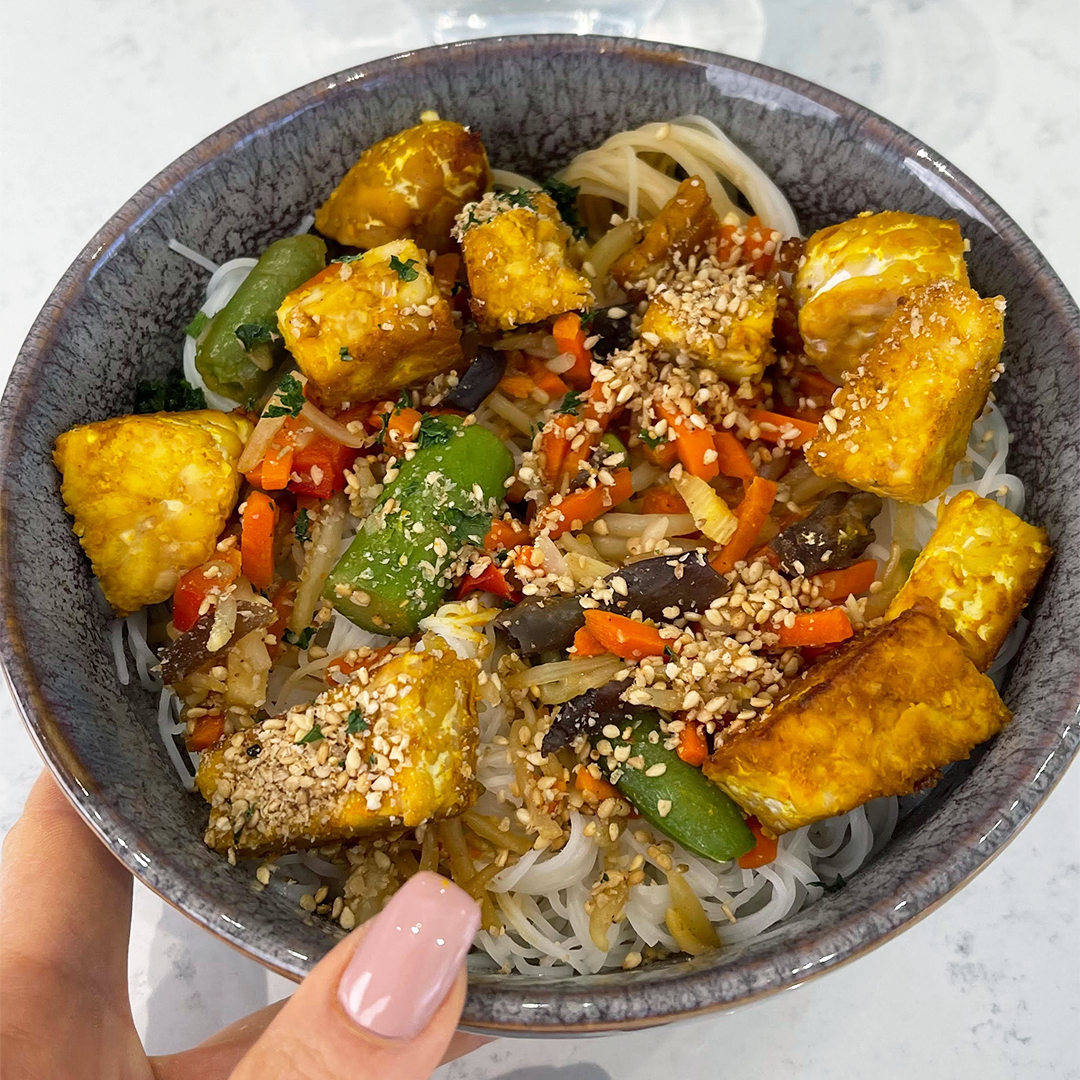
[[683, 227], [409, 186], [901, 423], [976, 573], [515, 250], [363, 329], [873, 719], [394, 747], [854, 274], [150, 496]]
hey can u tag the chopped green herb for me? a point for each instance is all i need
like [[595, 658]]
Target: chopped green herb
[[302, 527], [371, 759], [834, 886], [404, 270], [571, 403], [197, 325], [465, 527], [344, 353], [303, 639], [171, 394], [403, 402], [587, 318], [243, 825], [288, 400], [357, 723], [518, 198], [669, 655], [565, 198], [433, 431], [256, 333], [349, 258], [651, 441], [314, 735]]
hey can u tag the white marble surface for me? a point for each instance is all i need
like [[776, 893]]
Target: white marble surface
[[97, 95]]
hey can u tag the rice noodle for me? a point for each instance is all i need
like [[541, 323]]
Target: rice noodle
[[338, 432]]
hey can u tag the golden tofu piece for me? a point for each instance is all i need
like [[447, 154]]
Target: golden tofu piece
[[854, 274], [150, 496], [736, 348], [684, 226], [976, 573], [515, 247], [411, 185], [363, 329], [403, 735], [903, 420], [873, 719]]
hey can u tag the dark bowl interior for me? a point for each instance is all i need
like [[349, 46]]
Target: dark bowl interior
[[118, 315]]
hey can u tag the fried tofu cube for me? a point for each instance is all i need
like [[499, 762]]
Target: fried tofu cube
[[515, 248], [875, 718], [150, 495], [735, 342], [854, 274], [976, 573], [684, 226], [409, 186], [394, 747], [363, 329], [901, 423]]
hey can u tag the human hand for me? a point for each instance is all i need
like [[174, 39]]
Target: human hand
[[383, 1003]]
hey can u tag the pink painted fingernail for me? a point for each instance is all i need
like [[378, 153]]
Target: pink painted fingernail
[[410, 957]]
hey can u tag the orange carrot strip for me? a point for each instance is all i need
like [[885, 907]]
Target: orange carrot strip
[[584, 505], [815, 628], [624, 637], [585, 781], [554, 446], [763, 852], [586, 645], [692, 748], [663, 500], [696, 446], [751, 512], [663, 454], [732, 458], [402, 425], [504, 535], [546, 379], [781, 426], [257, 539], [519, 386], [570, 338], [853, 580], [208, 729]]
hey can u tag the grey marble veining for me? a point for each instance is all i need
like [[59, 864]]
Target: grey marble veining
[[1010, 1036]]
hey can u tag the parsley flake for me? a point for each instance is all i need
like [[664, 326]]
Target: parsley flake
[[171, 394], [565, 199], [314, 735], [433, 431], [587, 318], [465, 527], [571, 403], [371, 759], [288, 399], [403, 402], [302, 528], [256, 333], [651, 441], [357, 723], [344, 354], [669, 655], [303, 639], [404, 270], [349, 258], [519, 198]]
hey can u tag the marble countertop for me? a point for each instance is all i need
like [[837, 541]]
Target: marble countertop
[[97, 97]]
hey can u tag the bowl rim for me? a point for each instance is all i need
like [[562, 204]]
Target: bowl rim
[[537, 1006]]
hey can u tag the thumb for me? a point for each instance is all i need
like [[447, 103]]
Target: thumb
[[384, 1002]]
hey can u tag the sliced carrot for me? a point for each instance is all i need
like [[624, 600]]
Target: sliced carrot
[[570, 338], [504, 535], [196, 585], [402, 426], [276, 468], [752, 513], [815, 628], [732, 458], [282, 598], [208, 729], [257, 539], [623, 636], [586, 645], [692, 748], [775, 426], [696, 446], [663, 454], [763, 852], [747, 244], [663, 499], [365, 659], [853, 580], [585, 782], [519, 386], [546, 379], [554, 445], [582, 506]]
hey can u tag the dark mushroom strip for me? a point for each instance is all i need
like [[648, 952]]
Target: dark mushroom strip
[[587, 713], [685, 581], [188, 652], [538, 625], [833, 535], [477, 381], [613, 334]]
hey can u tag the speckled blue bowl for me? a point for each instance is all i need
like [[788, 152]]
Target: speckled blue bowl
[[118, 315]]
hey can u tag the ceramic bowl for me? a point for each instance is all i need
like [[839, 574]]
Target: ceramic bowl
[[118, 315]]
